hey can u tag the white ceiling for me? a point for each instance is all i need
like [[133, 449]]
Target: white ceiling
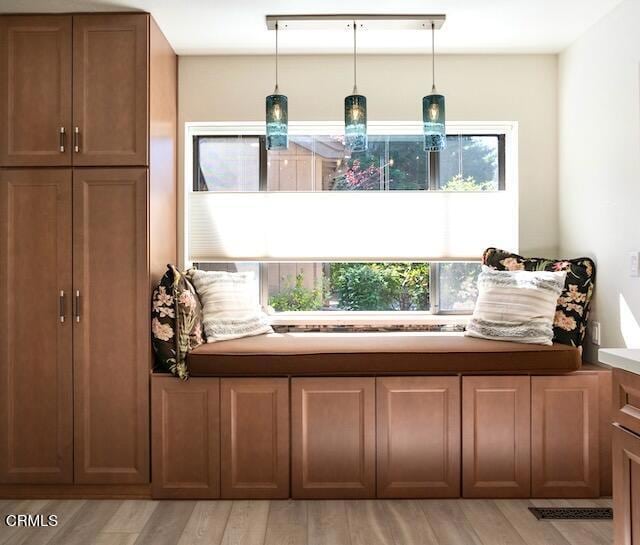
[[237, 26]]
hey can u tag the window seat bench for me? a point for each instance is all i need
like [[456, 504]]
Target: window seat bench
[[388, 353], [381, 415]]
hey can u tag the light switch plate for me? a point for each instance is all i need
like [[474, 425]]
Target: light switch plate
[[634, 264], [595, 333]]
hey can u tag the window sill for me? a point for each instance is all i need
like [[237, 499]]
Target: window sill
[[361, 319]]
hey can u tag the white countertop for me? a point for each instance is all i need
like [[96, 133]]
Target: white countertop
[[621, 358]]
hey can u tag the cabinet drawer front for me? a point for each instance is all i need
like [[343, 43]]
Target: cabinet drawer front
[[35, 90], [255, 438], [418, 437], [333, 437], [110, 89], [626, 399]]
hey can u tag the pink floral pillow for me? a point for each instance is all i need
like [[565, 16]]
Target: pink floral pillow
[[176, 322], [572, 311]]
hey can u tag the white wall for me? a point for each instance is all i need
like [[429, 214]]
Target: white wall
[[599, 168], [520, 88]]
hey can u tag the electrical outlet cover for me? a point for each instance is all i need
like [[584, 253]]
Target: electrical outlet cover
[[634, 264], [595, 333]]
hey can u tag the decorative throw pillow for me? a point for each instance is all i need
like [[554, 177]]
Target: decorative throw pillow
[[572, 312], [176, 322], [516, 306], [230, 308]]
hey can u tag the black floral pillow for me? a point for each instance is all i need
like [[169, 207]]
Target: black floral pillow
[[572, 312], [176, 322]]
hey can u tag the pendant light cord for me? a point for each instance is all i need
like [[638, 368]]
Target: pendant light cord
[[355, 68], [276, 91], [433, 57]]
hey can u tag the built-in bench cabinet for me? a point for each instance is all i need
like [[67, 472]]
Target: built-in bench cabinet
[[389, 437]]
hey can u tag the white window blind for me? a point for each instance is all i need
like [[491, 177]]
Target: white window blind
[[350, 226]]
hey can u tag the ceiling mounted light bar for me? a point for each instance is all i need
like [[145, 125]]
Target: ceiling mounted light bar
[[363, 21]]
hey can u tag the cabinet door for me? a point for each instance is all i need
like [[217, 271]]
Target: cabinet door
[[111, 326], [36, 418], [186, 437], [35, 90], [255, 438], [333, 437], [418, 437], [564, 437], [626, 487], [110, 89], [496, 426]]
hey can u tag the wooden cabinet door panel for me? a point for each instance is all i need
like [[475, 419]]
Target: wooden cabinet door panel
[[111, 335], [496, 424], [418, 437], [186, 437], [110, 89], [35, 90], [333, 437], [626, 487], [564, 436], [255, 438], [36, 407]]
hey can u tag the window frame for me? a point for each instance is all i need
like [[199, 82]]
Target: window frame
[[507, 133]]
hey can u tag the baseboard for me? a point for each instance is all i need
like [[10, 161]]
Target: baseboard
[[70, 491]]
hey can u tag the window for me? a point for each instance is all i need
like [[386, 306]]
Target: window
[[314, 250]]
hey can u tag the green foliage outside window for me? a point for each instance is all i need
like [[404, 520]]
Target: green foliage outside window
[[297, 297]]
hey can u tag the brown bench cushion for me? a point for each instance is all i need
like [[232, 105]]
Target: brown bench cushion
[[375, 353]]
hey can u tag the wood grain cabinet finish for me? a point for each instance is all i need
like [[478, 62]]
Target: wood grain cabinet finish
[[564, 436], [186, 437], [111, 332], [418, 437], [333, 437], [626, 399], [35, 90], [496, 423], [110, 89], [36, 418], [626, 487], [255, 438]]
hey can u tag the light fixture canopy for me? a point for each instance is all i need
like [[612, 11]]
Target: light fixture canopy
[[355, 110], [433, 110], [277, 114]]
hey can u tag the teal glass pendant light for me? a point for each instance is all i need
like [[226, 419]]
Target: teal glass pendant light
[[355, 111], [433, 113], [277, 115]]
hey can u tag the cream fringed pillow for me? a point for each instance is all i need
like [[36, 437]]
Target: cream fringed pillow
[[516, 306], [229, 306]]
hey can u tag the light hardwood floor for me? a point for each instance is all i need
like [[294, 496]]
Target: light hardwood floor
[[353, 522]]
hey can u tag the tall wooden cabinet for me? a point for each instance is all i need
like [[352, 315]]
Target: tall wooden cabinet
[[82, 244]]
